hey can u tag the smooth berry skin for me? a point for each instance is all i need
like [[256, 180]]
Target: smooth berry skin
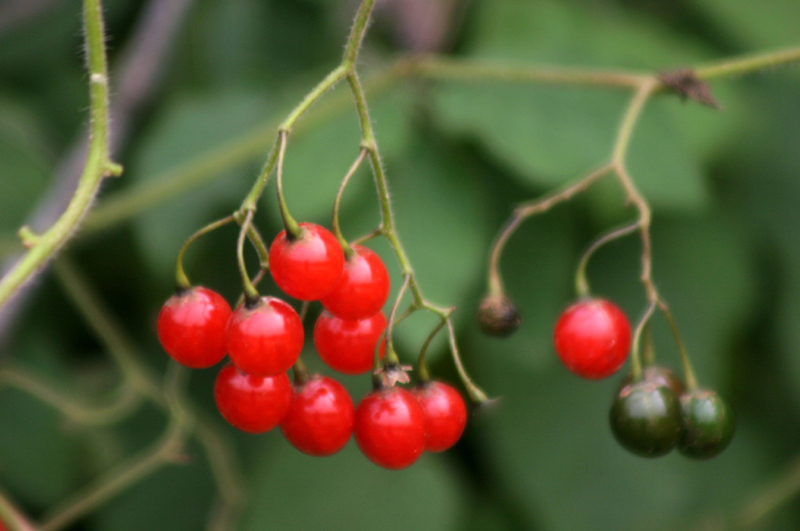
[[363, 288], [252, 403], [349, 346], [592, 338], [390, 428], [445, 414], [309, 267], [265, 340], [320, 420], [708, 424], [192, 327], [645, 418]]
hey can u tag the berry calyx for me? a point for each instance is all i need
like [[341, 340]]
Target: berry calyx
[[253, 404], [192, 327], [445, 414], [362, 289], [390, 428], [659, 375], [320, 419], [592, 338], [646, 419], [309, 266], [349, 346], [266, 338], [708, 424], [498, 316]]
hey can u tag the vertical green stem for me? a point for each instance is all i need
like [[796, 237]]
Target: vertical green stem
[[291, 226], [636, 357], [688, 371], [348, 251], [98, 162], [251, 294]]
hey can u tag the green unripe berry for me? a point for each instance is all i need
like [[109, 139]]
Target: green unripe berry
[[708, 424], [646, 418]]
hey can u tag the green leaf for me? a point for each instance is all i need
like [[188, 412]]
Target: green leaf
[[547, 135], [346, 491], [755, 24], [25, 164], [187, 128]]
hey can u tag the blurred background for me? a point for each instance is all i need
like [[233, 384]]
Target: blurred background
[[198, 88]]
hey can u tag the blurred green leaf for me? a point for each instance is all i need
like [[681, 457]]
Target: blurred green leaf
[[185, 130], [769, 23], [547, 135], [25, 164], [346, 491]]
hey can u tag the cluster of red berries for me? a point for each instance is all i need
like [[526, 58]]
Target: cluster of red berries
[[649, 417], [264, 338]]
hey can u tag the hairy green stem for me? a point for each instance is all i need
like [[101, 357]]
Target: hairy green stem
[[98, 163]]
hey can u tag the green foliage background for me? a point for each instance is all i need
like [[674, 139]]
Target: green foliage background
[[459, 156]]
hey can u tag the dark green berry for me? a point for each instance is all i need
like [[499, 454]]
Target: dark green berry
[[659, 375], [646, 418], [708, 424], [497, 316]]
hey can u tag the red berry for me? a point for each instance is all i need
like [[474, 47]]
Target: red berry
[[445, 414], [309, 267], [362, 289], [265, 340], [348, 346], [191, 327], [320, 420], [390, 428], [592, 338], [252, 403]]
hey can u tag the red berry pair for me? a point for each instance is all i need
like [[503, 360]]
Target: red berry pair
[[394, 426], [196, 327], [592, 338], [313, 267], [316, 416]]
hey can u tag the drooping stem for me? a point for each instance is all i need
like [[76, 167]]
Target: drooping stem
[[291, 226], [251, 294], [688, 371], [526, 210], [636, 358], [475, 393], [581, 282], [391, 355], [181, 280], [422, 366], [337, 231]]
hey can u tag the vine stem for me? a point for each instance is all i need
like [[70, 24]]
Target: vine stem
[[193, 173], [181, 280], [251, 294], [337, 230], [109, 410], [184, 419], [581, 282], [526, 210], [41, 247]]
